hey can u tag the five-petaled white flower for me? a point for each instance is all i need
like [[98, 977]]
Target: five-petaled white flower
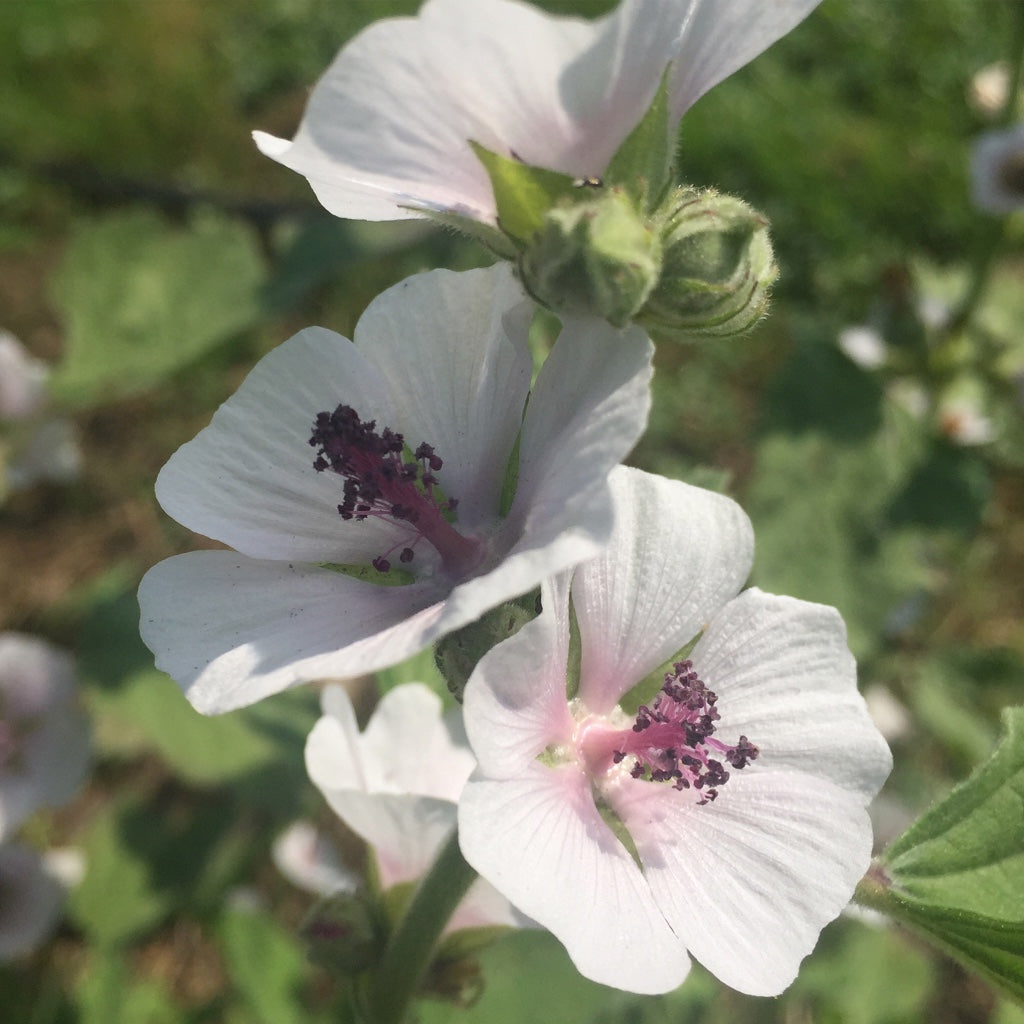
[[727, 817], [44, 734], [387, 130], [396, 785], [414, 426]]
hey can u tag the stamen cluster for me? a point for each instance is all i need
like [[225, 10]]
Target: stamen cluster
[[379, 482], [672, 738]]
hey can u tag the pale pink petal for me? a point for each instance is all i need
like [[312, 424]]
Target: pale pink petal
[[453, 348], [749, 881], [541, 842], [786, 679], [333, 756], [310, 861], [248, 478], [676, 555], [232, 630], [514, 705]]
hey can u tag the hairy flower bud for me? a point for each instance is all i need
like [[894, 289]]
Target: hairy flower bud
[[717, 267], [598, 256]]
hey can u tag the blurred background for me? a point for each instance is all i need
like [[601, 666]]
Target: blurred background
[[871, 426]]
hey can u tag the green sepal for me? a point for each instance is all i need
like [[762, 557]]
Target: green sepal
[[367, 573], [523, 194], [643, 164], [487, 235], [574, 661], [344, 933]]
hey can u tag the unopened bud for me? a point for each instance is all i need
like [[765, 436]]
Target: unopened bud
[[342, 933], [717, 267], [599, 256]]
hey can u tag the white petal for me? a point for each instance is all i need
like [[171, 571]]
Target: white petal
[[676, 555], [388, 125], [248, 479], [514, 705], [539, 840], [454, 350], [232, 630], [22, 379], [333, 757], [408, 746], [786, 679], [749, 881], [405, 832], [719, 38]]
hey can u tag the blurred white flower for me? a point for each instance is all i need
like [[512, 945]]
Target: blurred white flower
[[44, 735], [22, 379], [310, 861], [415, 423], [997, 170], [891, 718], [963, 421], [622, 831], [396, 785], [30, 900], [35, 446], [386, 133], [988, 89], [863, 345]]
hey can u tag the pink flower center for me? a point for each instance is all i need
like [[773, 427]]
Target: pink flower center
[[381, 483], [673, 739]]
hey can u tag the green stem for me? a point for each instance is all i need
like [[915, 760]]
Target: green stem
[[408, 954], [874, 891], [992, 240]]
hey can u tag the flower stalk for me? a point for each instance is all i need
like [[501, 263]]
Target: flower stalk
[[408, 953]]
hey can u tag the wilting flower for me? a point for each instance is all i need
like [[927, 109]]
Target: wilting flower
[[396, 785], [725, 817], [386, 134], [412, 428], [997, 171], [44, 735]]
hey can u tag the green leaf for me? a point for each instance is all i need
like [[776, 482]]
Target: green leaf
[[266, 964], [967, 852], [108, 994], [643, 163], [141, 300], [523, 194], [958, 872]]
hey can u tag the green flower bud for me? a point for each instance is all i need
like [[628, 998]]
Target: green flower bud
[[717, 267], [343, 934], [598, 255], [456, 654]]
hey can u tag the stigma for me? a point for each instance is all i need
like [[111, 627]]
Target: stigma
[[382, 481], [672, 740]]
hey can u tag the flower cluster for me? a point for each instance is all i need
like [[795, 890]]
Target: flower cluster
[[659, 764]]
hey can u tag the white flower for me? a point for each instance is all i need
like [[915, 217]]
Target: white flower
[[396, 785], [387, 130], [31, 896], [962, 420], [623, 831], [863, 345], [989, 88], [443, 359], [22, 379], [997, 170], [308, 859], [49, 452], [44, 735]]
